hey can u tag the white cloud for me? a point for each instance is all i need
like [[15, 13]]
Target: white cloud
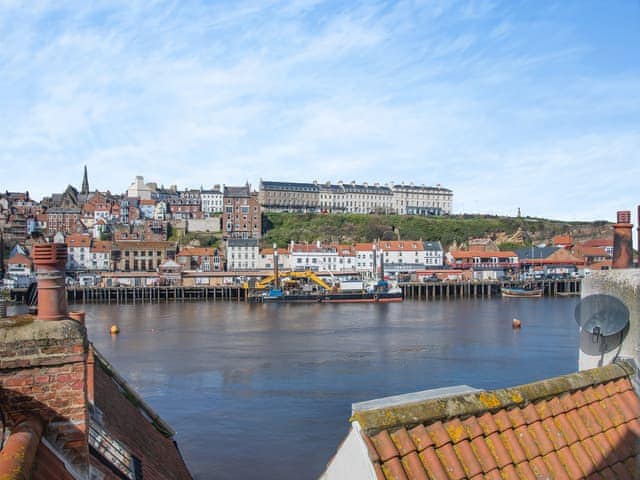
[[430, 92]]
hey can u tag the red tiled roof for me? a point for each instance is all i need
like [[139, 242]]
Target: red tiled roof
[[196, 252], [584, 425], [591, 251], [605, 265], [101, 246], [19, 259], [78, 240], [562, 240], [392, 246], [599, 242]]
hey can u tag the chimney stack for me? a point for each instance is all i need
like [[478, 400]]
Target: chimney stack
[[50, 260], [622, 241]]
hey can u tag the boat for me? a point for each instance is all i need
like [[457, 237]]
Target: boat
[[382, 292], [522, 292], [308, 287]]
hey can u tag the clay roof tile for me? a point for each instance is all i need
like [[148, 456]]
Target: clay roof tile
[[557, 429]]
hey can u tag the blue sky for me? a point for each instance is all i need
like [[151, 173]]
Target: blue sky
[[511, 104]]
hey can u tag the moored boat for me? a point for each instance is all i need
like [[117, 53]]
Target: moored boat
[[522, 292]]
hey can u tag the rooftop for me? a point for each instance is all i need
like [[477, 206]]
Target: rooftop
[[582, 425]]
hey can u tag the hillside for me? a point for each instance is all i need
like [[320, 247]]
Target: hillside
[[351, 228]]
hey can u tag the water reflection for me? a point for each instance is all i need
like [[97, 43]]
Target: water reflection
[[264, 391]]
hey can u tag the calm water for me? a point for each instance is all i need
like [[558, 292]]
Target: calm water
[[265, 391]]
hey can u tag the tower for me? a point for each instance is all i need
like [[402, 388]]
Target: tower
[[85, 183]]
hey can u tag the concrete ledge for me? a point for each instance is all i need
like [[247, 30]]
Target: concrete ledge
[[469, 404]]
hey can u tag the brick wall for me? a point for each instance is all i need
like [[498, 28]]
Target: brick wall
[[43, 371]]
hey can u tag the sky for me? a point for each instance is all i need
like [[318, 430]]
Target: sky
[[516, 104]]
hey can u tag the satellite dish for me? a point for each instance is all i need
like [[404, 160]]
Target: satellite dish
[[605, 319]]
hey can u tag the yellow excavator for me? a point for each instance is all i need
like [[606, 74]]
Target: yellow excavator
[[307, 274]]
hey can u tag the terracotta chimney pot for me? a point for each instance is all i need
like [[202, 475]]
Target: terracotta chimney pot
[[50, 260], [622, 241]]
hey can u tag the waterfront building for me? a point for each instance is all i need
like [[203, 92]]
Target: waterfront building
[[200, 259], [242, 215], [265, 261], [606, 243], [548, 261], [242, 254], [140, 256], [400, 256], [434, 254], [591, 255], [322, 258], [211, 201], [486, 265]]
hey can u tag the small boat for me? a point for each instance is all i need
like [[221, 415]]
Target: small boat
[[522, 292]]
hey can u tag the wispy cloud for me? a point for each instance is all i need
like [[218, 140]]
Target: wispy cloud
[[504, 105]]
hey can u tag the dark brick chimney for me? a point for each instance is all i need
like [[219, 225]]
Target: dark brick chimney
[[623, 241]]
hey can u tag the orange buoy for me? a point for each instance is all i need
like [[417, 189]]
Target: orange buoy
[[515, 323], [114, 330]]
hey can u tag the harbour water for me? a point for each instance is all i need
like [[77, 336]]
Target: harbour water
[[265, 391]]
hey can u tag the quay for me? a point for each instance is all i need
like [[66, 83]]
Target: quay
[[485, 289], [426, 291]]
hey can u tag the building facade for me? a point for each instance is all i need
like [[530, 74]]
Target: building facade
[[211, 201], [355, 198], [242, 215], [242, 254], [136, 256]]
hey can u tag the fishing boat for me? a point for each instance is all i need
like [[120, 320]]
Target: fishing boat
[[522, 292]]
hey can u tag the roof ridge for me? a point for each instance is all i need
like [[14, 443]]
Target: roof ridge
[[467, 404]]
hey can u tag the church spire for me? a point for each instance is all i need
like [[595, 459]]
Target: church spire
[[85, 182]]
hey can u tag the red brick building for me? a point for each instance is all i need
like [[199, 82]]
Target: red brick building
[[241, 214], [62, 220]]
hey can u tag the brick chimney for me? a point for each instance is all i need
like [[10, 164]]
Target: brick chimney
[[43, 371], [50, 260], [622, 241]]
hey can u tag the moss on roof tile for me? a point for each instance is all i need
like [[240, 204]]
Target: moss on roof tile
[[476, 403]]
